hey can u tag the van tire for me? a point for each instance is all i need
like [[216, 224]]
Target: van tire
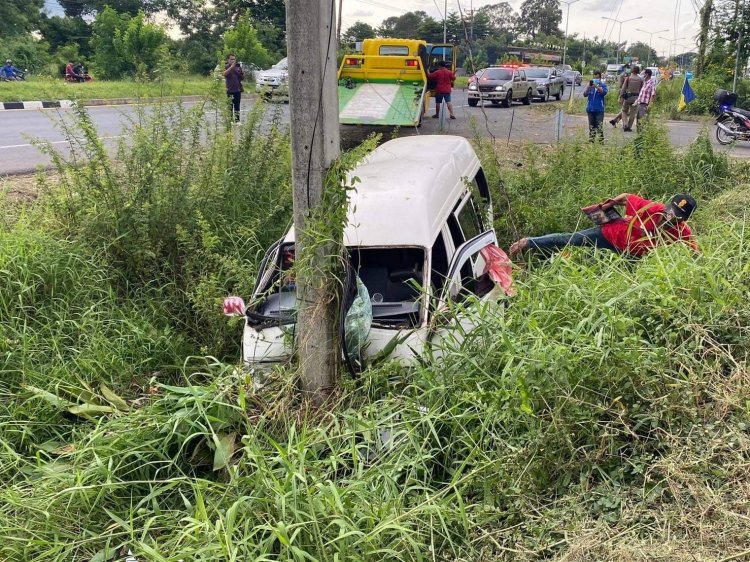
[[508, 99], [527, 99], [473, 102]]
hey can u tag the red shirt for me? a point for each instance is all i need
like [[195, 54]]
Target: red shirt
[[444, 79], [69, 69], [636, 233]]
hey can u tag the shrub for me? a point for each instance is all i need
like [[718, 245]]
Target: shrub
[[185, 210]]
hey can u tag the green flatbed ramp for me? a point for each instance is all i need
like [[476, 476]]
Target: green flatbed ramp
[[376, 103]]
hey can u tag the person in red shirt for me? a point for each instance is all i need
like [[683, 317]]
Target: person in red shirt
[[444, 79], [645, 224]]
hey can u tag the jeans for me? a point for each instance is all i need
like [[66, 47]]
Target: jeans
[[595, 125], [589, 237], [235, 103]]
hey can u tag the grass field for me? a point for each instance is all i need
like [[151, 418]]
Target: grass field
[[57, 89], [601, 415]]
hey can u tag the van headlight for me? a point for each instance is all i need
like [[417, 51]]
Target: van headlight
[[499, 88], [472, 87]]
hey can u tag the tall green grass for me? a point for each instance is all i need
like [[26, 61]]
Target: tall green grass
[[601, 414]]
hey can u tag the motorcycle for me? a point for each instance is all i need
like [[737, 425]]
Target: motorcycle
[[732, 123]]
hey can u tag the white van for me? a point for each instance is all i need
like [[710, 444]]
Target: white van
[[416, 225]]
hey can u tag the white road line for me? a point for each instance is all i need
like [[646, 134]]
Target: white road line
[[27, 145]]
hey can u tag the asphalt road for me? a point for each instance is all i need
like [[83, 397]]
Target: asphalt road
[[539, 123]]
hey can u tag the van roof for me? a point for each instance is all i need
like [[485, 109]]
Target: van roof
[[407, 187]]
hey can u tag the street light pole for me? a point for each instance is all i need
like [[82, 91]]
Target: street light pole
[[672, 43], [650, 36], [445, 23], [567, 19], [619, 33]]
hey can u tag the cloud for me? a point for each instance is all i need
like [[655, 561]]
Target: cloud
[[362, 14], [602, 5]]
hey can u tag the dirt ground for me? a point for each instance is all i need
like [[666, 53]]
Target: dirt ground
[[19, 189]]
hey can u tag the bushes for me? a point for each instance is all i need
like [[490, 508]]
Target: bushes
[[186, 211]]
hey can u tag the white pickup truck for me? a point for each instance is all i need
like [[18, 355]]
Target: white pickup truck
[[502, 84]]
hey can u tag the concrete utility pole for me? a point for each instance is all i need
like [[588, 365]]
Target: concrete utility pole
[[313, 107]]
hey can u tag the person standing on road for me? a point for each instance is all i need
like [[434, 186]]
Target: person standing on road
[[233, 77], [620, 82], [595, 92], [444, 79], [629, 92], [645, 97]]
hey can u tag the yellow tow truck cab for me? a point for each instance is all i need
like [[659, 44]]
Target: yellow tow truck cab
[[387, 83]]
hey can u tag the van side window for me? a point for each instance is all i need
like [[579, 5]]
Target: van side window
[[469, 220], [439, 264]]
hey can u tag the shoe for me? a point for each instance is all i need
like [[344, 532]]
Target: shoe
[[627, 130], [613, 123], [435, 116], [453, 116]]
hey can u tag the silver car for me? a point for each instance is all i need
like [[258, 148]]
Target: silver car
[[549, 82]]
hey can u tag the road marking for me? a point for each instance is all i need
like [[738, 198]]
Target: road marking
[[27, 145]]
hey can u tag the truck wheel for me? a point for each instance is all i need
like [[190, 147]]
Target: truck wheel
[[527, 99], [473, 102], [508, 99]]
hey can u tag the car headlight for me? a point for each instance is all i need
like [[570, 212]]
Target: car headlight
[[499, 88], [472, 86]]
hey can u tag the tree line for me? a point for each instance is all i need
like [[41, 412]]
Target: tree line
[[129, 37]]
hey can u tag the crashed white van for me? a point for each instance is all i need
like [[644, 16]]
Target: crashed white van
[[417, 222]]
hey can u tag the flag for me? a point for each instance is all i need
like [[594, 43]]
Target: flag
[[687, 95]]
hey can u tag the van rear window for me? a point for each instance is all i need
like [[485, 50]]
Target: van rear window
[[394, 51]]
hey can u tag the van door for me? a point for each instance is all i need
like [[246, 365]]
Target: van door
[[450, 323]]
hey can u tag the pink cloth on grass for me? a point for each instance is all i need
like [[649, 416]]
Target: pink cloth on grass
[[234, 306]]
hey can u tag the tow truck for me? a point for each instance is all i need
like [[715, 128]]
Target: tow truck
[[387, 83]]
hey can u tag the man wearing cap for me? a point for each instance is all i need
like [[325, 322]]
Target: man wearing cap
[[8, 71], [444, 79], [645, 224]]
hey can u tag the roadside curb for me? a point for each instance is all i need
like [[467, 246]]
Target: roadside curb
[[64, 104]]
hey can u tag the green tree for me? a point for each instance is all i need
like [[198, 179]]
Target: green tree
[[62, 31], [405, 26], [642, 52], [141, 45], [78, 8], [26, 52], [502, 18], [540, 17], [242, 41], [108, 59], [360, 31], [18, 17]]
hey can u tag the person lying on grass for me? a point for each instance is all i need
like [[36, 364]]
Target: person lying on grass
[[645, 224]]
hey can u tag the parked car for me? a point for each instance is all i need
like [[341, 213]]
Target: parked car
[[416, 227], [274, 81], [612, 72], [563, 67], [572, 77], [655, 74], [549, 82], [250, 69], [502, 84]]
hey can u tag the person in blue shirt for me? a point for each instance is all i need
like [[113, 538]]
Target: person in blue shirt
[[9, 72], [595, 91]]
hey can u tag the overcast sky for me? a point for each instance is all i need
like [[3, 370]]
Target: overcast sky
[[585, 17]]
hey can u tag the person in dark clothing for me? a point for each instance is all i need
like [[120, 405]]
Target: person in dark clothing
[[595, 91], [233, 77], [645, 224], [444, 79]]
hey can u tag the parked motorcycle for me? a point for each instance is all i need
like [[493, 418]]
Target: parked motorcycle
[[732, 123]]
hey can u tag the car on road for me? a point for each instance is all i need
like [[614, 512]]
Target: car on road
[[612, 72], [417, 230], [502, 85], [274, 81], [572, 77], [549, 82]]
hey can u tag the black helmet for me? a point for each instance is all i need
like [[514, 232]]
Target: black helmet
[[682, 205]]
